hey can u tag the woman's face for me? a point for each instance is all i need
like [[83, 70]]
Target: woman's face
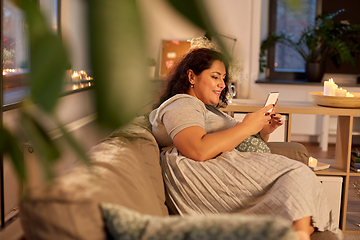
[[207, 86]]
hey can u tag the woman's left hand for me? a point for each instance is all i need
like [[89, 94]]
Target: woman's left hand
[[274, 123]]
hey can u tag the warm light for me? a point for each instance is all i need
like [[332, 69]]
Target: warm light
[[75, 76], [75, 87], [11, 70], [349, 94], [330, 87], [312, 162], [340, 92]]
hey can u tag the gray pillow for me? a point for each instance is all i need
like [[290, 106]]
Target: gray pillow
[[123, 223]]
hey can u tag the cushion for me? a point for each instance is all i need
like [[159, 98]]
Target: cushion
[[123, 223], [292, 150], [148, 150], [117, 174], [254, 143]]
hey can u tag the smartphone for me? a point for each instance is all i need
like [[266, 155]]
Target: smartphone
[[271, 99]]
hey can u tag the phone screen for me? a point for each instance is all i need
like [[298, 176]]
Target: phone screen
[[271, 99]]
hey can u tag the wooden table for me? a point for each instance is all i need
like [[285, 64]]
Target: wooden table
[[340, 166]]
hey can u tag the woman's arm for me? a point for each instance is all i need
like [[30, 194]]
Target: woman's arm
[[195, 143]]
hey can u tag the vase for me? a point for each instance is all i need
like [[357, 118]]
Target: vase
[[314, 71]]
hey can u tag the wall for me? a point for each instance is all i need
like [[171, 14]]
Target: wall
[[74, 31], [233, 18]]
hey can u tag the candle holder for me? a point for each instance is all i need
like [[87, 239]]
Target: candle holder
[[336, 101]]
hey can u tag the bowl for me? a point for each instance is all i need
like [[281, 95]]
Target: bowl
[[336, 101]]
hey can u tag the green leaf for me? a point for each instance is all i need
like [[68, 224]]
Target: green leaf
[[47, 150], [9, 146], [48, 58], [195, 11], [118, 58], [48, 65]]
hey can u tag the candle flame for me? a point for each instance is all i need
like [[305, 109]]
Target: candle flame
[[331, 80]]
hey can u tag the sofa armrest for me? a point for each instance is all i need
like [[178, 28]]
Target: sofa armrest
[[292, 150]]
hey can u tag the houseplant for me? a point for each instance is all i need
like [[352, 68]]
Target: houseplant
[[323, 40]]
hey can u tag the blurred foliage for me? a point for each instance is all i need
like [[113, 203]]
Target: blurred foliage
[[117, 47]]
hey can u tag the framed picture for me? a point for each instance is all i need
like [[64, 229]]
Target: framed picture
[[171, 52]]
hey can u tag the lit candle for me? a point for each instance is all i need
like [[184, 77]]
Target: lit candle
[[329, 87], [349, 94], [75, 76], [340, 92], [312, 162], [82, 74]]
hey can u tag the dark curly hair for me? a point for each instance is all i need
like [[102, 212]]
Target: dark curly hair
[[197, 60]]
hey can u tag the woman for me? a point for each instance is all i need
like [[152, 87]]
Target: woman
[[203, 171]]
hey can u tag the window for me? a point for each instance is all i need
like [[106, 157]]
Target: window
[[15, 53], [283, 62], [16, 50]]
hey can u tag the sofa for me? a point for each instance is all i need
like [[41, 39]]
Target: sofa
[[121, 195]]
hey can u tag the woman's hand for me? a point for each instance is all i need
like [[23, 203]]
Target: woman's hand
[[274, 123], [256, 121]]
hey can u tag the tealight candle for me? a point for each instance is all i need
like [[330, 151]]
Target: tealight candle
[[75, 76], [312, 162], [349, 94], [329, 87], [340, 92]]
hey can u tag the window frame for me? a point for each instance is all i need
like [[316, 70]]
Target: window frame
[[271, 73], [21, 76]]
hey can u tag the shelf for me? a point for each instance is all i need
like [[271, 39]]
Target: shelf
[[332, 171]]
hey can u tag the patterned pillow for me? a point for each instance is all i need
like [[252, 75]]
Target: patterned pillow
[[254, 143], [123, 223]]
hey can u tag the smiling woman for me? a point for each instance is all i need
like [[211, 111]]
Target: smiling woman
[[205, 172], [208, 85]]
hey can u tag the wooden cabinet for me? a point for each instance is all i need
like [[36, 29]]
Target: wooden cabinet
[[340, 166]]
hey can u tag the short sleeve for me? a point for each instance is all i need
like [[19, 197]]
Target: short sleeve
[[183, 113], [176, 114]]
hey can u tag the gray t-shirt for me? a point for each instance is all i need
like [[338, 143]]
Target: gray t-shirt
[[182, 111]]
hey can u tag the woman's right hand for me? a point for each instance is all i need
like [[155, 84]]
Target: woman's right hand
[[255, 121]]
